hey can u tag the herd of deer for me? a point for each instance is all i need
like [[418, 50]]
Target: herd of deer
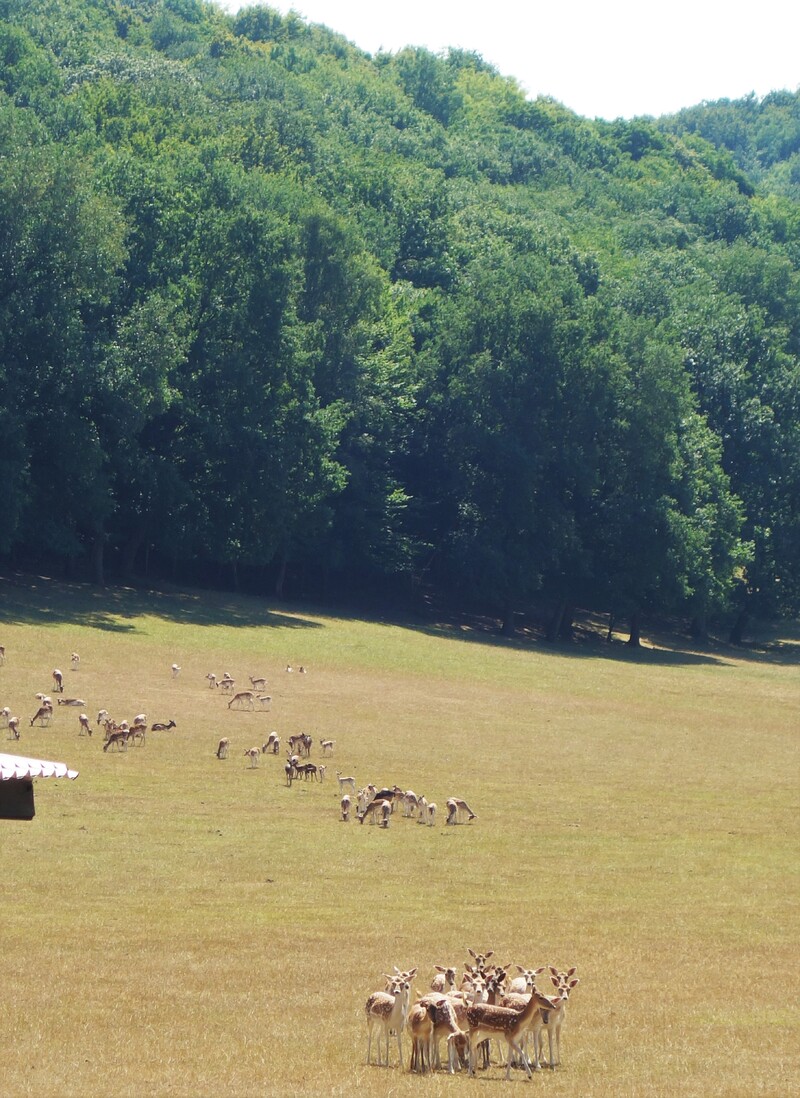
[[116, 734], [487, 1005]]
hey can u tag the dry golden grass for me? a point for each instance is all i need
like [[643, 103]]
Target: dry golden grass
[[177, 925]]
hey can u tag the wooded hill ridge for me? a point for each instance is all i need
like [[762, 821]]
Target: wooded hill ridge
[[277, 312]]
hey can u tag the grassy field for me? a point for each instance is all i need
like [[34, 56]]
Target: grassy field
[[173, 924]]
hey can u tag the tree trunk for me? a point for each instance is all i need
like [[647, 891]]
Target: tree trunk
[[508, 622], [556, 620], [281, 578], [567, 623], [635, 639], [737, 631], [699, 627], [97, 558], [129, 550]]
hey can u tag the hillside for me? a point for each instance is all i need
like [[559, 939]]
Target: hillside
[[296, 318]]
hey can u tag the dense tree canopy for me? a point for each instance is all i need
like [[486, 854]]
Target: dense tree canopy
[[275, 311]]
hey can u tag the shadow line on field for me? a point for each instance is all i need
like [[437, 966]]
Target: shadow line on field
[[39, 600]]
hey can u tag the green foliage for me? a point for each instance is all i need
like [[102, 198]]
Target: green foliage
[[288, 306]]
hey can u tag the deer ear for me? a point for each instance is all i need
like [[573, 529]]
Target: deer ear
[[572, 971], [574, 983], [439, 968], [472, 953], [536, 971], [519, 968], [552, 971], [554, 980], [490, 954], [412, 972]]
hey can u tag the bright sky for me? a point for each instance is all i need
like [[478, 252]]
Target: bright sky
[[601, 58]]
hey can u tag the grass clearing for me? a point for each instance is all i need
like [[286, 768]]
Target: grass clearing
[[178, 925]]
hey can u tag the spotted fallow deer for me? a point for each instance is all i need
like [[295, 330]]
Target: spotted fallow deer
[[503, 1023], [445, 979], [564, 983], [388, 1010]]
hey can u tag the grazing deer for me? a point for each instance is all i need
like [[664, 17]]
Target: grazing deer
[[175, 670], [378, 809], [345, 806], [42, 715], [120, 738], [222, 748], [253, 754], [84, 724], [456, 809], [244, 697], [273, 743], [58, 681]]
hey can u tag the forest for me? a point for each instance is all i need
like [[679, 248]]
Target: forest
[[280, 315]]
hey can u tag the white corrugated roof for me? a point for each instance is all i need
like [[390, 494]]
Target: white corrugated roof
[[17, 766]]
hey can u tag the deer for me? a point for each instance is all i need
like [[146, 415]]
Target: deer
[[253, 754], [345, 806], [42, 715], [486, 1021], [524, 983], [175, 670], [420, 1028], [456, 809], [243, 697], [120, 738], [345, 782], [258, 684], [77, 702], [389, 1010], [273, 743], [84, 724], [565, 983], [162, 726], [58, 680], [222, 748], [382, 809], [445, 979], [13, 727]]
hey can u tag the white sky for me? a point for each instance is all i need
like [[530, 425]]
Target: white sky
[[612, 59]]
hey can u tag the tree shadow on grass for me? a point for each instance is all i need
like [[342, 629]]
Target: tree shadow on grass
[[778, 644], [39, 600]]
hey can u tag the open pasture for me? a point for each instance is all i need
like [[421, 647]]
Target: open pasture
[[176, 924]]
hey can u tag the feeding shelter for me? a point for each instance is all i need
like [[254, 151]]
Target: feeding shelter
[[16, 783]]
